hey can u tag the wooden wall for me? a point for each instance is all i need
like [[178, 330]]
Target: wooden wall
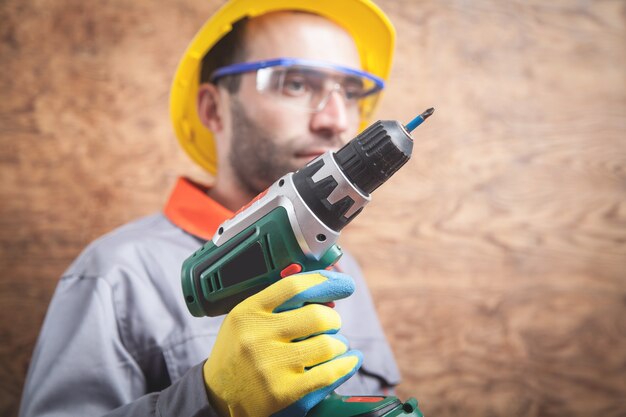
[[497, 257]]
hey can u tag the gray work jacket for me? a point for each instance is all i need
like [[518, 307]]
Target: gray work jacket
[[118, 338]]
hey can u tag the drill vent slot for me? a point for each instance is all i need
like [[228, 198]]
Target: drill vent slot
[[217, 282]]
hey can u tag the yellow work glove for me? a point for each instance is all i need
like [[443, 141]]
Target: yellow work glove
[[278, 355]]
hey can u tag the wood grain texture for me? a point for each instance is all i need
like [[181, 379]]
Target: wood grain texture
[[496, 258]]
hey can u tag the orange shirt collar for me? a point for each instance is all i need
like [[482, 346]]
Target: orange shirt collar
[[190, 208]]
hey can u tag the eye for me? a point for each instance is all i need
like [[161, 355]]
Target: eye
[[354, 93], [294, 85], [353, 89]]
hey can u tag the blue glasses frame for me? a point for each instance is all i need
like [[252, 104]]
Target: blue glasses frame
[[243, 67]]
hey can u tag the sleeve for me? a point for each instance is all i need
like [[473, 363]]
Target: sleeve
[[186, 397], [81, 367]]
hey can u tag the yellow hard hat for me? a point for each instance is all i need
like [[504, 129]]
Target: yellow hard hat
[[370, 28]]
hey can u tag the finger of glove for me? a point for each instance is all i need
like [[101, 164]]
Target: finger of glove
[[311, 287], [307, 321], [321, 381], [318, 349]]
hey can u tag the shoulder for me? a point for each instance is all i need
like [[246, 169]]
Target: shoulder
[[132, 248]]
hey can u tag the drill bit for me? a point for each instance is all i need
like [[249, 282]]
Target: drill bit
[[419, 119]]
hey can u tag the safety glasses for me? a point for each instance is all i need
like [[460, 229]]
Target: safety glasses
[[309, 84]]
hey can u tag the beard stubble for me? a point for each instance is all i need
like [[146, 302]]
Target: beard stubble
[[256, 158]]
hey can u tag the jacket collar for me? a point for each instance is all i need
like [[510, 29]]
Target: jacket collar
[[190, 208]]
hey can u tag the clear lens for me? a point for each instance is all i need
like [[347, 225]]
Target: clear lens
[[310, 87]]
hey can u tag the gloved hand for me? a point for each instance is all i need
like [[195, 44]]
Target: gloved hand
[[278, 355]]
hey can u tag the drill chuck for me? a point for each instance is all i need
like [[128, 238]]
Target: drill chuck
[[375, 155]]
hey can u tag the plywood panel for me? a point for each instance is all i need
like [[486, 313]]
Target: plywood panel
[[496, 257]]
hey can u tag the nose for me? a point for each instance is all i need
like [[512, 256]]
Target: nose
[[332, 119]]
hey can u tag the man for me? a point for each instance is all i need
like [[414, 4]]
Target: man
[[283, 86]]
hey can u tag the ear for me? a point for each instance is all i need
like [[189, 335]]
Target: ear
[[210, 105]]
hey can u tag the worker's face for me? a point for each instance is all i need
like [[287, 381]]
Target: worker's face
[[269, 137]]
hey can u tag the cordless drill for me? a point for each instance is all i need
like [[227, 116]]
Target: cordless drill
[[293, 227]]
